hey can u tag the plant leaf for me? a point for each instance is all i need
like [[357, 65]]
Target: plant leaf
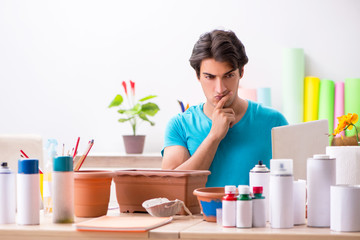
[[150, 109], [117, 101], [144, 117], [121, 111], [147, 98], [135, 110], [124, 119]]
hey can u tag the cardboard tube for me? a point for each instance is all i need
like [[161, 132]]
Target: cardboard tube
[[326, 103], [311, 98], [352, 100], [338, 103], [293, 71]]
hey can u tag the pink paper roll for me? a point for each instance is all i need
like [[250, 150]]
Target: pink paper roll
[[248, 93], [339, 103]]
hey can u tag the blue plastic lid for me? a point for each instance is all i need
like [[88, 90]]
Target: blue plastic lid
[[28, 166], [63, 164]]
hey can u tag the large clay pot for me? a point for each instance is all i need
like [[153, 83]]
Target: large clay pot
[[209, 200], [92, 193], [134, 143]]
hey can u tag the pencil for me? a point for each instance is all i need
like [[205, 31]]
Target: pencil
[[83, 157]]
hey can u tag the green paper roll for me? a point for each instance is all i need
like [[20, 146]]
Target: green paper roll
[[326, 102], [311, 99], [293, 71], [352, 100]]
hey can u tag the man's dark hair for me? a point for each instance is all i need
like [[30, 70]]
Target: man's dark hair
[[221, 45]]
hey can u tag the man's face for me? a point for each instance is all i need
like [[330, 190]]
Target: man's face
[[217, 80]]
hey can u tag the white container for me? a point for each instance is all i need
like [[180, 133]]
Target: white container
[[299, 202], [345, 208], [28, 192], [258, 208], [244, 208], [321, 174], [63, 190], [7, 195], [281, 193], [229, 207], [260, 176]]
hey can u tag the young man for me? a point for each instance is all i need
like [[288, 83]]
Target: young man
[[227, 135]]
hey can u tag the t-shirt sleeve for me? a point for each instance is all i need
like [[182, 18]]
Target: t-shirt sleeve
[[174, 134], [281, 120]]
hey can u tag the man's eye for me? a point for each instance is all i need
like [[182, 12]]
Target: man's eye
[[209, 77], [230, 75]]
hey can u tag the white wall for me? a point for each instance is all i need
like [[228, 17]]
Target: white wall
[[62, 62]]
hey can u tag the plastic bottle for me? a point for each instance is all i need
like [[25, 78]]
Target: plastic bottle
[[259, 208], [7, 195], [260, 176], [281, 193], [50, 154], [28, 195], [244, 208], [229, 207], [321, 174], [63, 190]]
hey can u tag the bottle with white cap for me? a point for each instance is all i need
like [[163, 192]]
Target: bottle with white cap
[[28, 195], [229, 207], [321, 174], [260, 176], [7, 195], [244, 208], [281, 193]]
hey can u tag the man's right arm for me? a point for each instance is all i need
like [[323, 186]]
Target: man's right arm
[[178, 157]]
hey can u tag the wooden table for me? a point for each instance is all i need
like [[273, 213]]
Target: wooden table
[[182, 227]]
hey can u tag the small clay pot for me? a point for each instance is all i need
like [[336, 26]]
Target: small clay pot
[[209, 200], [134, 144], [92, 192]]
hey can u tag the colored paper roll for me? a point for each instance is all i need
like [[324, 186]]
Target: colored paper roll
[[326, 102], [352, 100], [264, 96], [311, 98], [293, 71], [338, 103], [248, 93]]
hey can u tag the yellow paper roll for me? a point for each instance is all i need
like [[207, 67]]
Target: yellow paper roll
[[311, 98]]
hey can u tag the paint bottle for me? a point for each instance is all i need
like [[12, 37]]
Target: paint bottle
[[259, 208], [244, 208], [281, 193], [63, 190], [260, 176], [49, 155], [7, 195], [229, 207], [28, 195], [321, 174]]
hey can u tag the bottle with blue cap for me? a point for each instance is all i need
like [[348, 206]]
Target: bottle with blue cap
[[28, 196], [63, 190]]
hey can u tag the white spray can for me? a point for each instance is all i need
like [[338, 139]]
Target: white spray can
[[63, 190], [321, 174], [244, 208], [7, 195], [281, 193], [28, 195], [260, 176], [229, 207]]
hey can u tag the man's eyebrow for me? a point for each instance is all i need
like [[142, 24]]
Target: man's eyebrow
[[223, 74]]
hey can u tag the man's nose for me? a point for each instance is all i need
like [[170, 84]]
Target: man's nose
[[219, 87]]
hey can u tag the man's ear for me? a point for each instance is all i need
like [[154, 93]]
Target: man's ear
[[241, 72]]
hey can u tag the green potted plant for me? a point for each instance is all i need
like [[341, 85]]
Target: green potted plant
[[134, 113]]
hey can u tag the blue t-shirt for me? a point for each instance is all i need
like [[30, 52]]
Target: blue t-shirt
[[246, 143]]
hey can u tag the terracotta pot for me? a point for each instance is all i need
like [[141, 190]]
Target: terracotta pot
[[134, 144], [209, 200], [92, 192]]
